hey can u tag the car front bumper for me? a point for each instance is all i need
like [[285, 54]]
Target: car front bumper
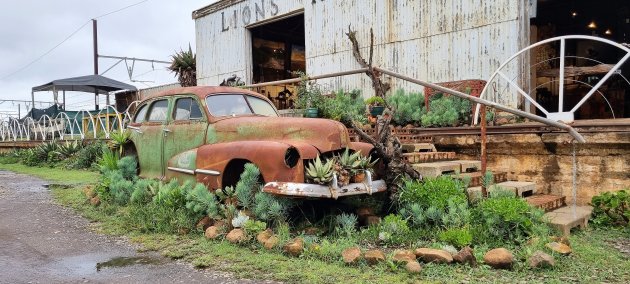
[[294, 189]]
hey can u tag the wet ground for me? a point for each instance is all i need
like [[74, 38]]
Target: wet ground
[[41, 242]]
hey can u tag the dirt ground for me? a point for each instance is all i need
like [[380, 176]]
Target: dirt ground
[[42, 242]]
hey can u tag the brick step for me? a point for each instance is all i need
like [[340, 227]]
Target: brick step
[[418, 147], [427, 157], [435, 169], [519, 188], [476, 178], [566, 218], [406, 139], [546, 202]]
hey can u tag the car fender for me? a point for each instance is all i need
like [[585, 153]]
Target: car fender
[[268, 156]]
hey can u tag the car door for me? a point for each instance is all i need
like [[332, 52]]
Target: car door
[[185, 131], [148, 136]]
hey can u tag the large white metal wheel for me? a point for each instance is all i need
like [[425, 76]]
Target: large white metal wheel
[[560, 114]]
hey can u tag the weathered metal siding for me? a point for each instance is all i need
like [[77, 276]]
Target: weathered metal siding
[[224, 42], [147, 92], [434, 40]]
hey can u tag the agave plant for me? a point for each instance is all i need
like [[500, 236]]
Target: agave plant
[[319, 172], [69, 148], [185, 67], [118, 141], [349, 161], [366, 163]]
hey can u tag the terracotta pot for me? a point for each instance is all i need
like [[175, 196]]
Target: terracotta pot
[[359, 177]]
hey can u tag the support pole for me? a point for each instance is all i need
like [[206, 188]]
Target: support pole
[[95, 53], [64, 100], [484, 155], [32, 103]]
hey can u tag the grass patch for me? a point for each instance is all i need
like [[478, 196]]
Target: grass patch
[[57, 175]]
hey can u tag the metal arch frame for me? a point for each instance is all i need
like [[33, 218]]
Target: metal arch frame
[[561, 113]]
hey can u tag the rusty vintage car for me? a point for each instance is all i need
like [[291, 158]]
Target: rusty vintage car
[[208, 134]]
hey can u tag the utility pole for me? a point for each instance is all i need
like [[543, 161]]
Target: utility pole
[[95, 41]]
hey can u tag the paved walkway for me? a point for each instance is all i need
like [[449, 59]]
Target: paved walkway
[[41, 242]]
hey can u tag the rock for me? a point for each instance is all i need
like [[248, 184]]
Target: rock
[[404, 256], [541, 260], [89, 192], [236, 236], [413, 267], [466, 256], [364, 212], [502, 121], [263, 236], [219, 224], [204, 223], [434, 255], [271, 242], [351, 255], [374, 256], [95, 201], [499, 258], [372, 220], [295, 247], [311, 231], [212, 232], [562, 240], [559, 248]]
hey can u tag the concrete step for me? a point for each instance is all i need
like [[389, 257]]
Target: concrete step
[[519, 188], [428, 157], [418, 147], [546, 202], [566, 218], [468, 166], [436, 169], [476, 178]]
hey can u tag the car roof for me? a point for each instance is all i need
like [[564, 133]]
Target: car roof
[[203, 91]]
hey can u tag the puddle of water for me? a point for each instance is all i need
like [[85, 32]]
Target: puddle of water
[[128, 261]]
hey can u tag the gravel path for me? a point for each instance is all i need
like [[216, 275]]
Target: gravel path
[[41, 242]]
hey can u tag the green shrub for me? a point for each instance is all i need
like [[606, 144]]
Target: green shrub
[[612, 208], [446, 111], [87, 156], [247, 186], [434, 192], [272, 209], [506, 219], [253, 227], [346, 224], [406, 108], [201, 200], [108, 161], [458, 237], [143, 191], [343, 106]]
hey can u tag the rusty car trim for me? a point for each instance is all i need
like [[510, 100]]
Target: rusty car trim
[[207, 172], [180, 170], [321, 191]]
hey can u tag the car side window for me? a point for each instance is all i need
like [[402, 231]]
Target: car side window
[[187, 109], [158, 110], [141, 114]]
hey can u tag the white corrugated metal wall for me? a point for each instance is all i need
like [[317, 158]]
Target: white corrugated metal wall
[[434, 40]]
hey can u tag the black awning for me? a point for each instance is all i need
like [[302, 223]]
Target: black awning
[[88, 84]]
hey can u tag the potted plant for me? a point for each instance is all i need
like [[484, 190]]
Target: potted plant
[[308, 97], [347, 164], [377, 105], [319, 172], [365, 164]]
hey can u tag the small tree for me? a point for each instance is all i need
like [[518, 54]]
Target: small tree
[[184, 65]]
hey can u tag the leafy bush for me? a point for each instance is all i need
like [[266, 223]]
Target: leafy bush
[[612, 208], [344, 107], [458, 237], [434, 192], [247, 186], [406, 108], [446, 111], [393, 229], [346, 224], [506, 219], [87, 156], [253, 227], [272, 209], [454, 215], [201, 200]]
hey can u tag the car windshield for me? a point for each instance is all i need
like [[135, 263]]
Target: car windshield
[[238, 104]]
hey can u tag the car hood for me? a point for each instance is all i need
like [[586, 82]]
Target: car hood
[[324, 134]]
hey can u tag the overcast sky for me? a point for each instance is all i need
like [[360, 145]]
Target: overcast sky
[[154, 29]]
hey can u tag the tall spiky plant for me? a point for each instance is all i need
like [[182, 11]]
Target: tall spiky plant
[[184, 65]]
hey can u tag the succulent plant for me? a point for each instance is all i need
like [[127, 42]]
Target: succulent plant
[[319, 172], [366, 162], [240, 220], [349, 161]]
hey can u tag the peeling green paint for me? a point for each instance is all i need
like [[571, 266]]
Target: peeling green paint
[[211, 136]]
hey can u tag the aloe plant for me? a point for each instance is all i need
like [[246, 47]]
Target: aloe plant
[[349, 161], [366, 163], [320, 172]]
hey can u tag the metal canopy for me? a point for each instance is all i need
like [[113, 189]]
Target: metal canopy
[[89, 84]]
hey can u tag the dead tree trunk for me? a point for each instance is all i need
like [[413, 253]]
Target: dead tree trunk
[[387, 146]]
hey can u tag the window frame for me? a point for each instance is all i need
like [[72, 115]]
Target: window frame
[[193, 98], [245, 97], [166, 116], [135, 117]]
